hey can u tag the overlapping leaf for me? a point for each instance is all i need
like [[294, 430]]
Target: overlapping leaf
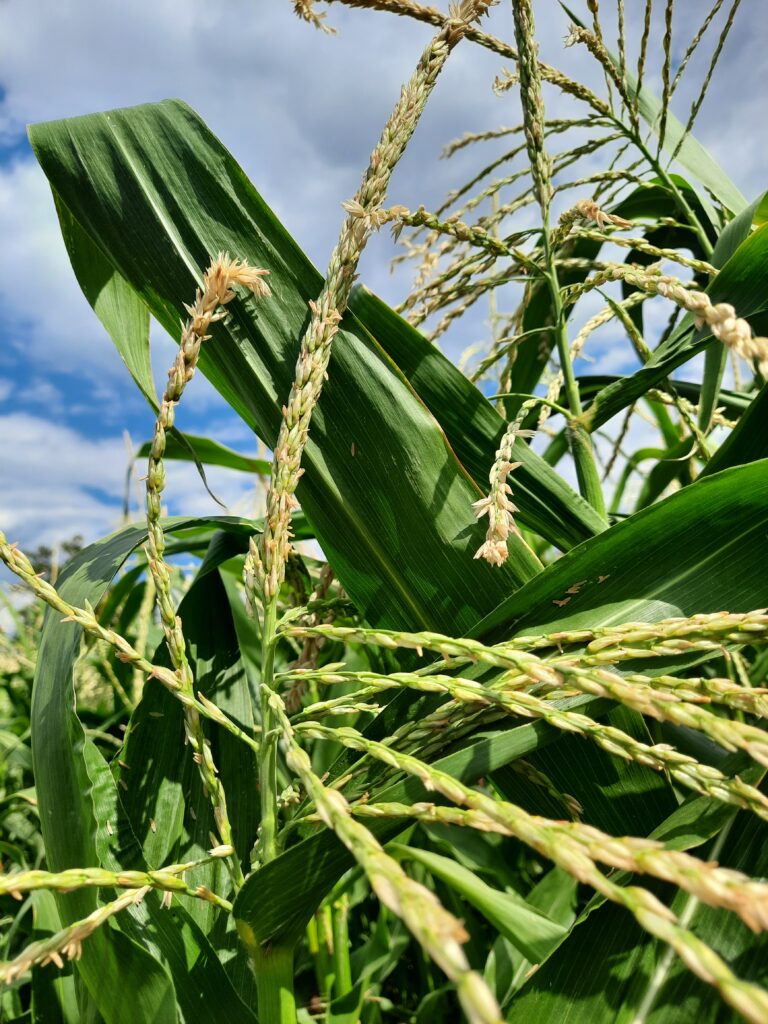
[[78, 797], [158, 195]]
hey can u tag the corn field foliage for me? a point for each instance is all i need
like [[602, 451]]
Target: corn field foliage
[[469, 724]]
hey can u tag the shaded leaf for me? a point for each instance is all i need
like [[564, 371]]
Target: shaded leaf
[[77, 794], [747, 442], [526, 927]]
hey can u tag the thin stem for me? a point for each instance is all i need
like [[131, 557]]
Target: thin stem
[[342, 965], [580, 440], [217, 292], [265, 564], [694, 44], [705, 85]]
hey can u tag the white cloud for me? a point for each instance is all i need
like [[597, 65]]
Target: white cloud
[[300, 111], [58, 483], [48, 322]]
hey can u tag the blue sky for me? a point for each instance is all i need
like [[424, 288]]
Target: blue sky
[[301, 112]]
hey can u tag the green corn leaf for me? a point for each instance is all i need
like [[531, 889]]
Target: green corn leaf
[[653, 200], [507, 968], [169, 789], [173, 938], [77, 796], [734, 402], [698, 550], [527, 928], [606, 788], [53, 993], [121, 311], [747, 442], [209, 452], [696, 821], [736, 230], [391, 504], [609, 969], [716, 356], [474, 428], [672, 465]]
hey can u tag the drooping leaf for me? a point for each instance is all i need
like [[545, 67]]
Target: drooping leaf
[[114, 301], [209, 452], [390, 502]]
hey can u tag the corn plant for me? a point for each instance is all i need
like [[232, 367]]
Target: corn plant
[[423, 766]]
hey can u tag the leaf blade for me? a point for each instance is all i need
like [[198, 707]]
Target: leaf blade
[[157, 173]]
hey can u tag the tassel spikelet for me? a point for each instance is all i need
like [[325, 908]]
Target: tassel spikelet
[[505, 694], [305, 9], [167, 879], [69, 941], [439, 933], [574, 847], [498, 505], [20, 566], [217, 292], [533, 103], [364, 215], [721, 319]]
